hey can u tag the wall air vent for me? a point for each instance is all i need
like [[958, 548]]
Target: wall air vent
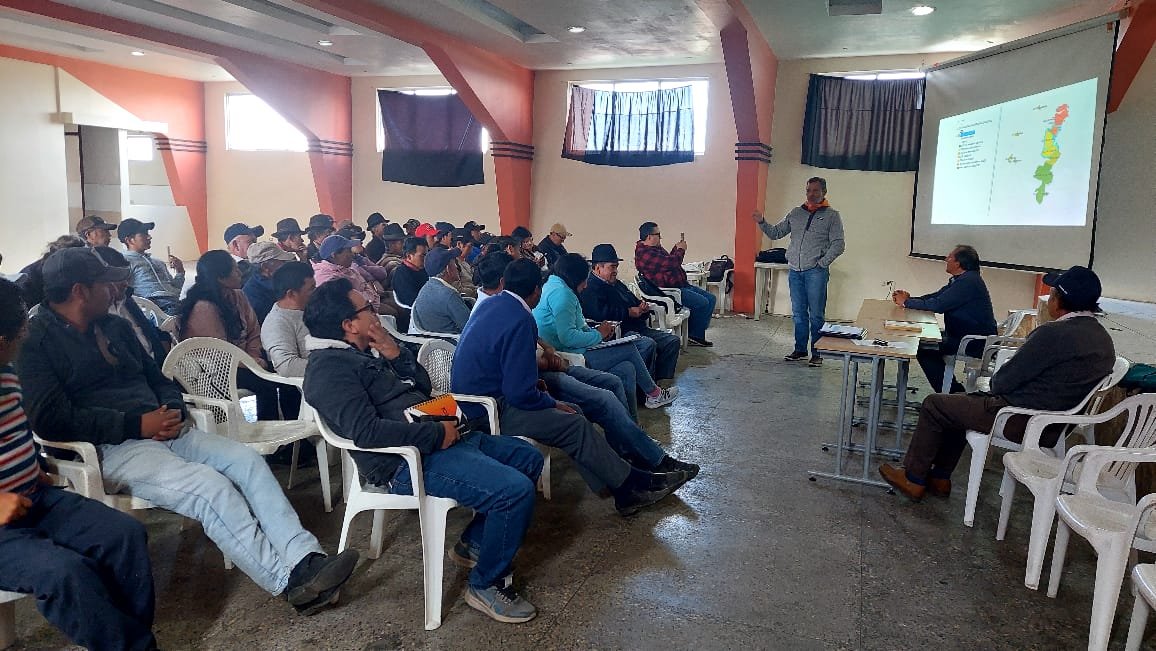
[[854, 7]]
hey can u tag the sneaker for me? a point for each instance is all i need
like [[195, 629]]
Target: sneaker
[[664, 397], [316, 580], [670, 464], [796, 356], [502, 604], [815, 361], [629, 501], [700, 341], [464, 554]]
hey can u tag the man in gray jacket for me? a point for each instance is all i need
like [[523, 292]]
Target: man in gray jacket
[[816, 232], [438, 306]]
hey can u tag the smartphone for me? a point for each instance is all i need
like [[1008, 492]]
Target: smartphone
[[682, 237], [169, 251]]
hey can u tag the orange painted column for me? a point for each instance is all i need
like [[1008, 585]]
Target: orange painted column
[[1132, 51], [512, 169], [185, 167]]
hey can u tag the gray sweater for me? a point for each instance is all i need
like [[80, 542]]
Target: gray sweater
[[283, 335], [439, 308], [817, 246], [1057, 366]]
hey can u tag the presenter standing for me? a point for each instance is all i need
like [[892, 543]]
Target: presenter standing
[[816, 232]]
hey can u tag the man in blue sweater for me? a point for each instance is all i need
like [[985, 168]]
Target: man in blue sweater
[[966, 307], [496, 356]]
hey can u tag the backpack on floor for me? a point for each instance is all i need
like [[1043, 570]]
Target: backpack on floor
[[1140, 376]]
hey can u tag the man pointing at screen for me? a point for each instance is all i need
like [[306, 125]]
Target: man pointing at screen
[[816, 232]]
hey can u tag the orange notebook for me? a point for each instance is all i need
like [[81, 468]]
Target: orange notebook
[[443, 405]]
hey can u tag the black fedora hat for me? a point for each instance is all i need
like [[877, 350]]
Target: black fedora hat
[[604, 253]]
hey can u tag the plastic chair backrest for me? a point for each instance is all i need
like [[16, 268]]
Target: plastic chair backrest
[[398, 301], [437, 358], [151, 310], [206, 367], [1119, 370], [1011, 323], [1139, 431]]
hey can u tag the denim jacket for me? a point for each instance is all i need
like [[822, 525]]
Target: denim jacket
[[151, 278]]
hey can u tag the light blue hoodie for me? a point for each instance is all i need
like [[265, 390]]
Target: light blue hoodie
[[560, 320]]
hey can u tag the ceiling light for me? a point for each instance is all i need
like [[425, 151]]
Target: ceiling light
[[922, 10], [575, 29], [137, 53], [325, 42]]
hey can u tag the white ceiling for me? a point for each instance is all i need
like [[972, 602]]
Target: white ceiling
[[619, 33]]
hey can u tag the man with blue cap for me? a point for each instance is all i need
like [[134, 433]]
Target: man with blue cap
[[438, 306], [336, 261]]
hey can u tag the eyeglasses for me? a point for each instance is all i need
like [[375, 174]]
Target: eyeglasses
[[657, 234], [364, 308]]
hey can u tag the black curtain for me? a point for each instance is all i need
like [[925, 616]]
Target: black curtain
[[863, 124], [431, 140], [634, 129]]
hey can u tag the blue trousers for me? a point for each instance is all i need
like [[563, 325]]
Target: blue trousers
[[87, 565], [701, 304], [606, 408], [666, 350], [808, 304], [496, 477], [609, 360]]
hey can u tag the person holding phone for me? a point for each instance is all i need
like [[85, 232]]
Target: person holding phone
[[150, 277], [665, 270]]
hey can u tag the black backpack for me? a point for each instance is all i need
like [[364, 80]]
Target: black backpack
[[772, 255], [718, 267]]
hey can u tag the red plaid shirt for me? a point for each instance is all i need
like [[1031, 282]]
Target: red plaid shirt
[[661, 268]]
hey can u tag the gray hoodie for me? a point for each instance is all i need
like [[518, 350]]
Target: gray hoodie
[[817, 246]]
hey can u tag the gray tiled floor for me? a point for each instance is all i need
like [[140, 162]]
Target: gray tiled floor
[[750, 554]]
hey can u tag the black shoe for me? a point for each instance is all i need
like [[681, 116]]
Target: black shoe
[[670, 464], [815, 361], [697, 341], [796, 356], [317, 578], [632, 499]]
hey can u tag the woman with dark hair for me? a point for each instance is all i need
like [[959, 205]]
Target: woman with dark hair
[[31, 281], [561, 324], [216, 307]]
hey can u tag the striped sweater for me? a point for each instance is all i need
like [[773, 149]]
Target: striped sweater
[[19, 468]]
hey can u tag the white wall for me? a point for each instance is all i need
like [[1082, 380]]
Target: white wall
[[1125, 253], [397, 201], [875, 206], [606, 204]]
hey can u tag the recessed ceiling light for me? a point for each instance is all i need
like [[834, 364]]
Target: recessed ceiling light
[[325, 42], [575, 29], [922, 10], [137, 53]]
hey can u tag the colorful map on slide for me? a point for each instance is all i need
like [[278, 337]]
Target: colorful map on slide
[[1025, 162]]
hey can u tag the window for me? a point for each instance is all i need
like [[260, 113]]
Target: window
[[699, 89], [863, 121], [427, 91], [253, 125], [139, 147]]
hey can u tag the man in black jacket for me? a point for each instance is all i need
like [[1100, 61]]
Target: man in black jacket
[[87, 378], [966, 307], [606, 299], [552, 246], [361, 382]]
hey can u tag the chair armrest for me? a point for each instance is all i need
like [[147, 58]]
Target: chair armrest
[[83, 449], [251, 364], [84, 475], [1097, 457], [227, 408], [1036, 424], [489, 403], [203, 420], [1005, 414]]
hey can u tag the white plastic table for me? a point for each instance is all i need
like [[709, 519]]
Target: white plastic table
[[764, 272]]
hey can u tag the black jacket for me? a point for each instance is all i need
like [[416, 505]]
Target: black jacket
[[408, 282], [966, 307], [72, 392], [363, 397], [602, 301], [552, 251]]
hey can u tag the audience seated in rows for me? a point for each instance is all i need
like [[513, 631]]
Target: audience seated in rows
[[150, 277], [496, 357], [409, 277], [335, 260], [360, 382], [665, 270], [86, 378], [1057, 366], [283, 333], [155, 341], [438, 306], [238, 238], [606, 299], [266, 258], [552, 246], [86, 564]]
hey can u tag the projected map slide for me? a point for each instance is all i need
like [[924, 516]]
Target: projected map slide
[[1025, 162]]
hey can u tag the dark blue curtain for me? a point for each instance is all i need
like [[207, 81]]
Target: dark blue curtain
[[431, 140], [863, 124], [636, 129]]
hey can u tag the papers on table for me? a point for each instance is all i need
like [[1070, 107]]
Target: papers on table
[[842, 331], [904, 326], [614, 342]]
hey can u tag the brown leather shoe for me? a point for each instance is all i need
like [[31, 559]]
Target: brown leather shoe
[[897, 477], [939, 487]]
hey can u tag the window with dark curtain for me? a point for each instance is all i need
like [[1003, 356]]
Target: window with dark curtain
[[863, 124], [630, 129], [430, 140]]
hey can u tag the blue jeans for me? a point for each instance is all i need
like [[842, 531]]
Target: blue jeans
[[667, 349], [808, 304], [225, 486], [606, 409], [88, 567], [496, 477], [608, 359], [701, 305]]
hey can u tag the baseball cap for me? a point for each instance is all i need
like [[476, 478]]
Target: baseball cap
[[287, 227], [437, 260], [265, 251], [461, 235], [412, 223], [130, 227], [239, 229], [443, 227], [604, 253], [425, 229], [1080, 287], [333, 244], [70, 266], [91, 222], [560, 230], [375, 219], [474, 226]]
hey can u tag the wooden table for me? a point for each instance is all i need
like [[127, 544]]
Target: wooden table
[[854, 352], [765, 271], [873, 313]]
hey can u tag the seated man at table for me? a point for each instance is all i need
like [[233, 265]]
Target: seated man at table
[[665, 270], [1057, 366], [966, 308], [361, 382], [606, 299]]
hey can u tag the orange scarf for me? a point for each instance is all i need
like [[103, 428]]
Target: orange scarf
[[814, 207]]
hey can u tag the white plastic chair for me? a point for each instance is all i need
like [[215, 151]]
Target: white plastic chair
[[1112, 528], [8, 617], [207, 370], [982, 442], [153, 311], [400, 304], [974, 367], [1144, 587], [437, 358], [390, 324], [668, 319], [719, 287], [431, 511], [1046, 476]]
